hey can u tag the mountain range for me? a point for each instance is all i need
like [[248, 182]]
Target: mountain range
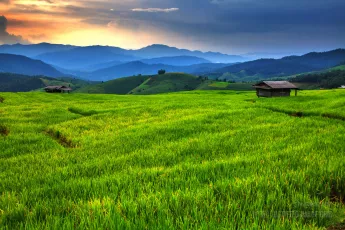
[[33, 50], [141, 68], [84, 58], [18, 64], [103, 63], [271, 68]]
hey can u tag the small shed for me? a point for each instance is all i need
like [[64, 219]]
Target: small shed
[[275, 89], [57, 89]]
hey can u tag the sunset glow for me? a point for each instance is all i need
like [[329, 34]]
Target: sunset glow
[[222, 25]]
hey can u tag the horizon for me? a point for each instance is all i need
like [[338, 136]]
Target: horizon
[[225, 26], [182, 48]]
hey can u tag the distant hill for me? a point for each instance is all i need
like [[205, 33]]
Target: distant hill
[[34, 49], [140, 68], [10, 82], [83, 58], [269, 68], [102, 65], [86, 58], [19, 83], [155, 84], [331, 79], [172, 61], [117, 86], [176, 61], [156, 50], [23, 65], [220, 85], [128, 69], [202, 68], [339, 67], [171, 82]]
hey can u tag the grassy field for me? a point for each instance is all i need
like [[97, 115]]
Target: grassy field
[[219, 85], [150, 84], [117, 86], [188, 160], [167, 83]]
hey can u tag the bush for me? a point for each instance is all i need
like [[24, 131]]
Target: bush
[[2, 99], [161, 72], [4, 130]]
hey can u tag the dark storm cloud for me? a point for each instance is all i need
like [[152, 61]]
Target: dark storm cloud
[[222, 25], [264, 24], [5, 37]]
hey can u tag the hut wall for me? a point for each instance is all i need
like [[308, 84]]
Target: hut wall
[[263, 93], [281, 93], [273, 92]]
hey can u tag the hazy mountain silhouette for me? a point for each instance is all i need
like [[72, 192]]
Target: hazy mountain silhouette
[[155, 51], [267, 68], [176, 61], [23, 65], [138, 67], [84, 57], [34, 49]]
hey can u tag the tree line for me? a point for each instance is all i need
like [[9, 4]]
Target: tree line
[[332, 79]]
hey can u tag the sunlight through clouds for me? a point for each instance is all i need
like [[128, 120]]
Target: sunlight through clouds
[[234, 26]]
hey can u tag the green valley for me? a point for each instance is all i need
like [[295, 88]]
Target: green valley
[[10, 82], [156, 84]]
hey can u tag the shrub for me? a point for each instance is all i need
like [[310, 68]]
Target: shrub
[[161, 72], [4, 130]]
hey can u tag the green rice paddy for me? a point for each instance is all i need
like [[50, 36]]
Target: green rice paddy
[[189, 160]]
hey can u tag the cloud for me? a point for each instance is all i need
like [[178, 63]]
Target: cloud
[[7, 38], [155, 10], [221, 25]]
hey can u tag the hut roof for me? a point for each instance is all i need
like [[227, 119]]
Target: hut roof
[[275, 85]]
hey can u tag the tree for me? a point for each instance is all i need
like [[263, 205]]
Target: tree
[[161, 72]]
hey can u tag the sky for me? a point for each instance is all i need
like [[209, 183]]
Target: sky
[[227, 26]]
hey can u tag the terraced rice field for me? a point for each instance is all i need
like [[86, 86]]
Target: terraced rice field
[[189, 160]]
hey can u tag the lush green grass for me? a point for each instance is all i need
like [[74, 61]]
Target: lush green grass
[[169, 82], [218, 85], [117, 86], [241, 76], [197, 160], [154, 84]]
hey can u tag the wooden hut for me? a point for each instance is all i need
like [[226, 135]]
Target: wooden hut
[[57, 89], [274, 89]]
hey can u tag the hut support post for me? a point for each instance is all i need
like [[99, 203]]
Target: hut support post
[[295, 92]]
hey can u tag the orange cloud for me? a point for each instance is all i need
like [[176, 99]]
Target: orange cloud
[[78, 23]]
